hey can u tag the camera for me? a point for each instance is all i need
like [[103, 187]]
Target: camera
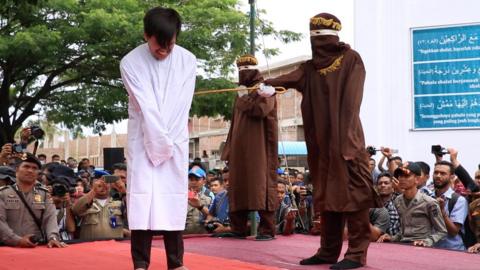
[[59, 190], [438, 150], [371, 150], [17, 148], [211, 226], [110, 178], [36, 132]]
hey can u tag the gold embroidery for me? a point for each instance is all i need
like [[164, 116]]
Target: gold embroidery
[[247, 60], [325, 22], [334, 66]]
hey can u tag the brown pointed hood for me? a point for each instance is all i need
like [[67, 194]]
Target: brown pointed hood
[[248, 73], [326, 48]]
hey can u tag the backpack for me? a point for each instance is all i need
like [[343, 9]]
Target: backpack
[[468, 237]]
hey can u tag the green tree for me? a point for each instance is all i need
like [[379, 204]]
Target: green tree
[[59, 58]]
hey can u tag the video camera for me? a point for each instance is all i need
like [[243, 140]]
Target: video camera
[[372, 150], [438, 150], [61, 186], [36, 133]]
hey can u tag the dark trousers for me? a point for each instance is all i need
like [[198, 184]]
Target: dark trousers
[[239, 219], [332, 226], [141, 246]]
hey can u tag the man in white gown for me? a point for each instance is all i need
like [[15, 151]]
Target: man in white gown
[[160, 79]]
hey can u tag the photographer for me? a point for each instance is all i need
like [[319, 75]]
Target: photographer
[[63, 205], [284, 214], [468, 233], [454, 208], [10, 151], [101, 216], [217, 220], [460, 172], [118, 189], [27, 215], [198, 202]]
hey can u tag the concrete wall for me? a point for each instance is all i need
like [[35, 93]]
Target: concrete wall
[[382, 37]]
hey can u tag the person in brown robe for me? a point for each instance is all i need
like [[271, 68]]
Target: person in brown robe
[[251, 153], [331, 84]]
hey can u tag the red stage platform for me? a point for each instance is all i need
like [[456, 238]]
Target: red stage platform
[[218, 254]]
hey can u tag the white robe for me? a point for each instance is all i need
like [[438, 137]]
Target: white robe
[[160, 96]]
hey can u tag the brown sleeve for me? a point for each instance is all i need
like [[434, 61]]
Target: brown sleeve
[[294, 79], [255, 106], [82, 205], [350, 110]]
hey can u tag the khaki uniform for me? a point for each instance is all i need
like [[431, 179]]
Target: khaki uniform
[[96, 218], [16, 221], [474, 211], [420, 220], [194, 220]]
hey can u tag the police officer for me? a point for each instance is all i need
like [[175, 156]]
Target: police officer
[[421, 219], [102, 216], [17, 225]]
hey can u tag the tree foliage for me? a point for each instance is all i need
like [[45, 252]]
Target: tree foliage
[[59, 58]]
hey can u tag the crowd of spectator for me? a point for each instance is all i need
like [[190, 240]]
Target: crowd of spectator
[[55, 201]]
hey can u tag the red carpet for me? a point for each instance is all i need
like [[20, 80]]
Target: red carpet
[[105, 255], [286, 252], [204, 253]]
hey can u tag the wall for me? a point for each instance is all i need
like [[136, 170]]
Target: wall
[[382, 37]]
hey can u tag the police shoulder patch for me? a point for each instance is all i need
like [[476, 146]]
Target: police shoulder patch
[[42, 188], [433, 209]]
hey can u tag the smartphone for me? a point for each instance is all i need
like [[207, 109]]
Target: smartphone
[[110, 178]]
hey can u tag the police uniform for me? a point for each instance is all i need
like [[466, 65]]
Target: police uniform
[[420, 220], [16, 221], [99, 221]]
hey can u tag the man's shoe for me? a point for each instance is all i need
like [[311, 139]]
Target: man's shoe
[[346, 264], [314, 260], [264, 237], [229, 235]]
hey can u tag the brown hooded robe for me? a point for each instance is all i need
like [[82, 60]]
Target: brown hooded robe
[[332, 88], [251, 149]]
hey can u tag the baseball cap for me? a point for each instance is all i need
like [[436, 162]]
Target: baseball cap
[[197, 172], [408, 168]]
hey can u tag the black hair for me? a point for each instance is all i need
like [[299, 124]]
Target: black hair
[[282, 181], [219, 179], [446, 163], [163, 24], [42, 155], [55, 155], [119, 166], [424, 167], [384, 174]]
